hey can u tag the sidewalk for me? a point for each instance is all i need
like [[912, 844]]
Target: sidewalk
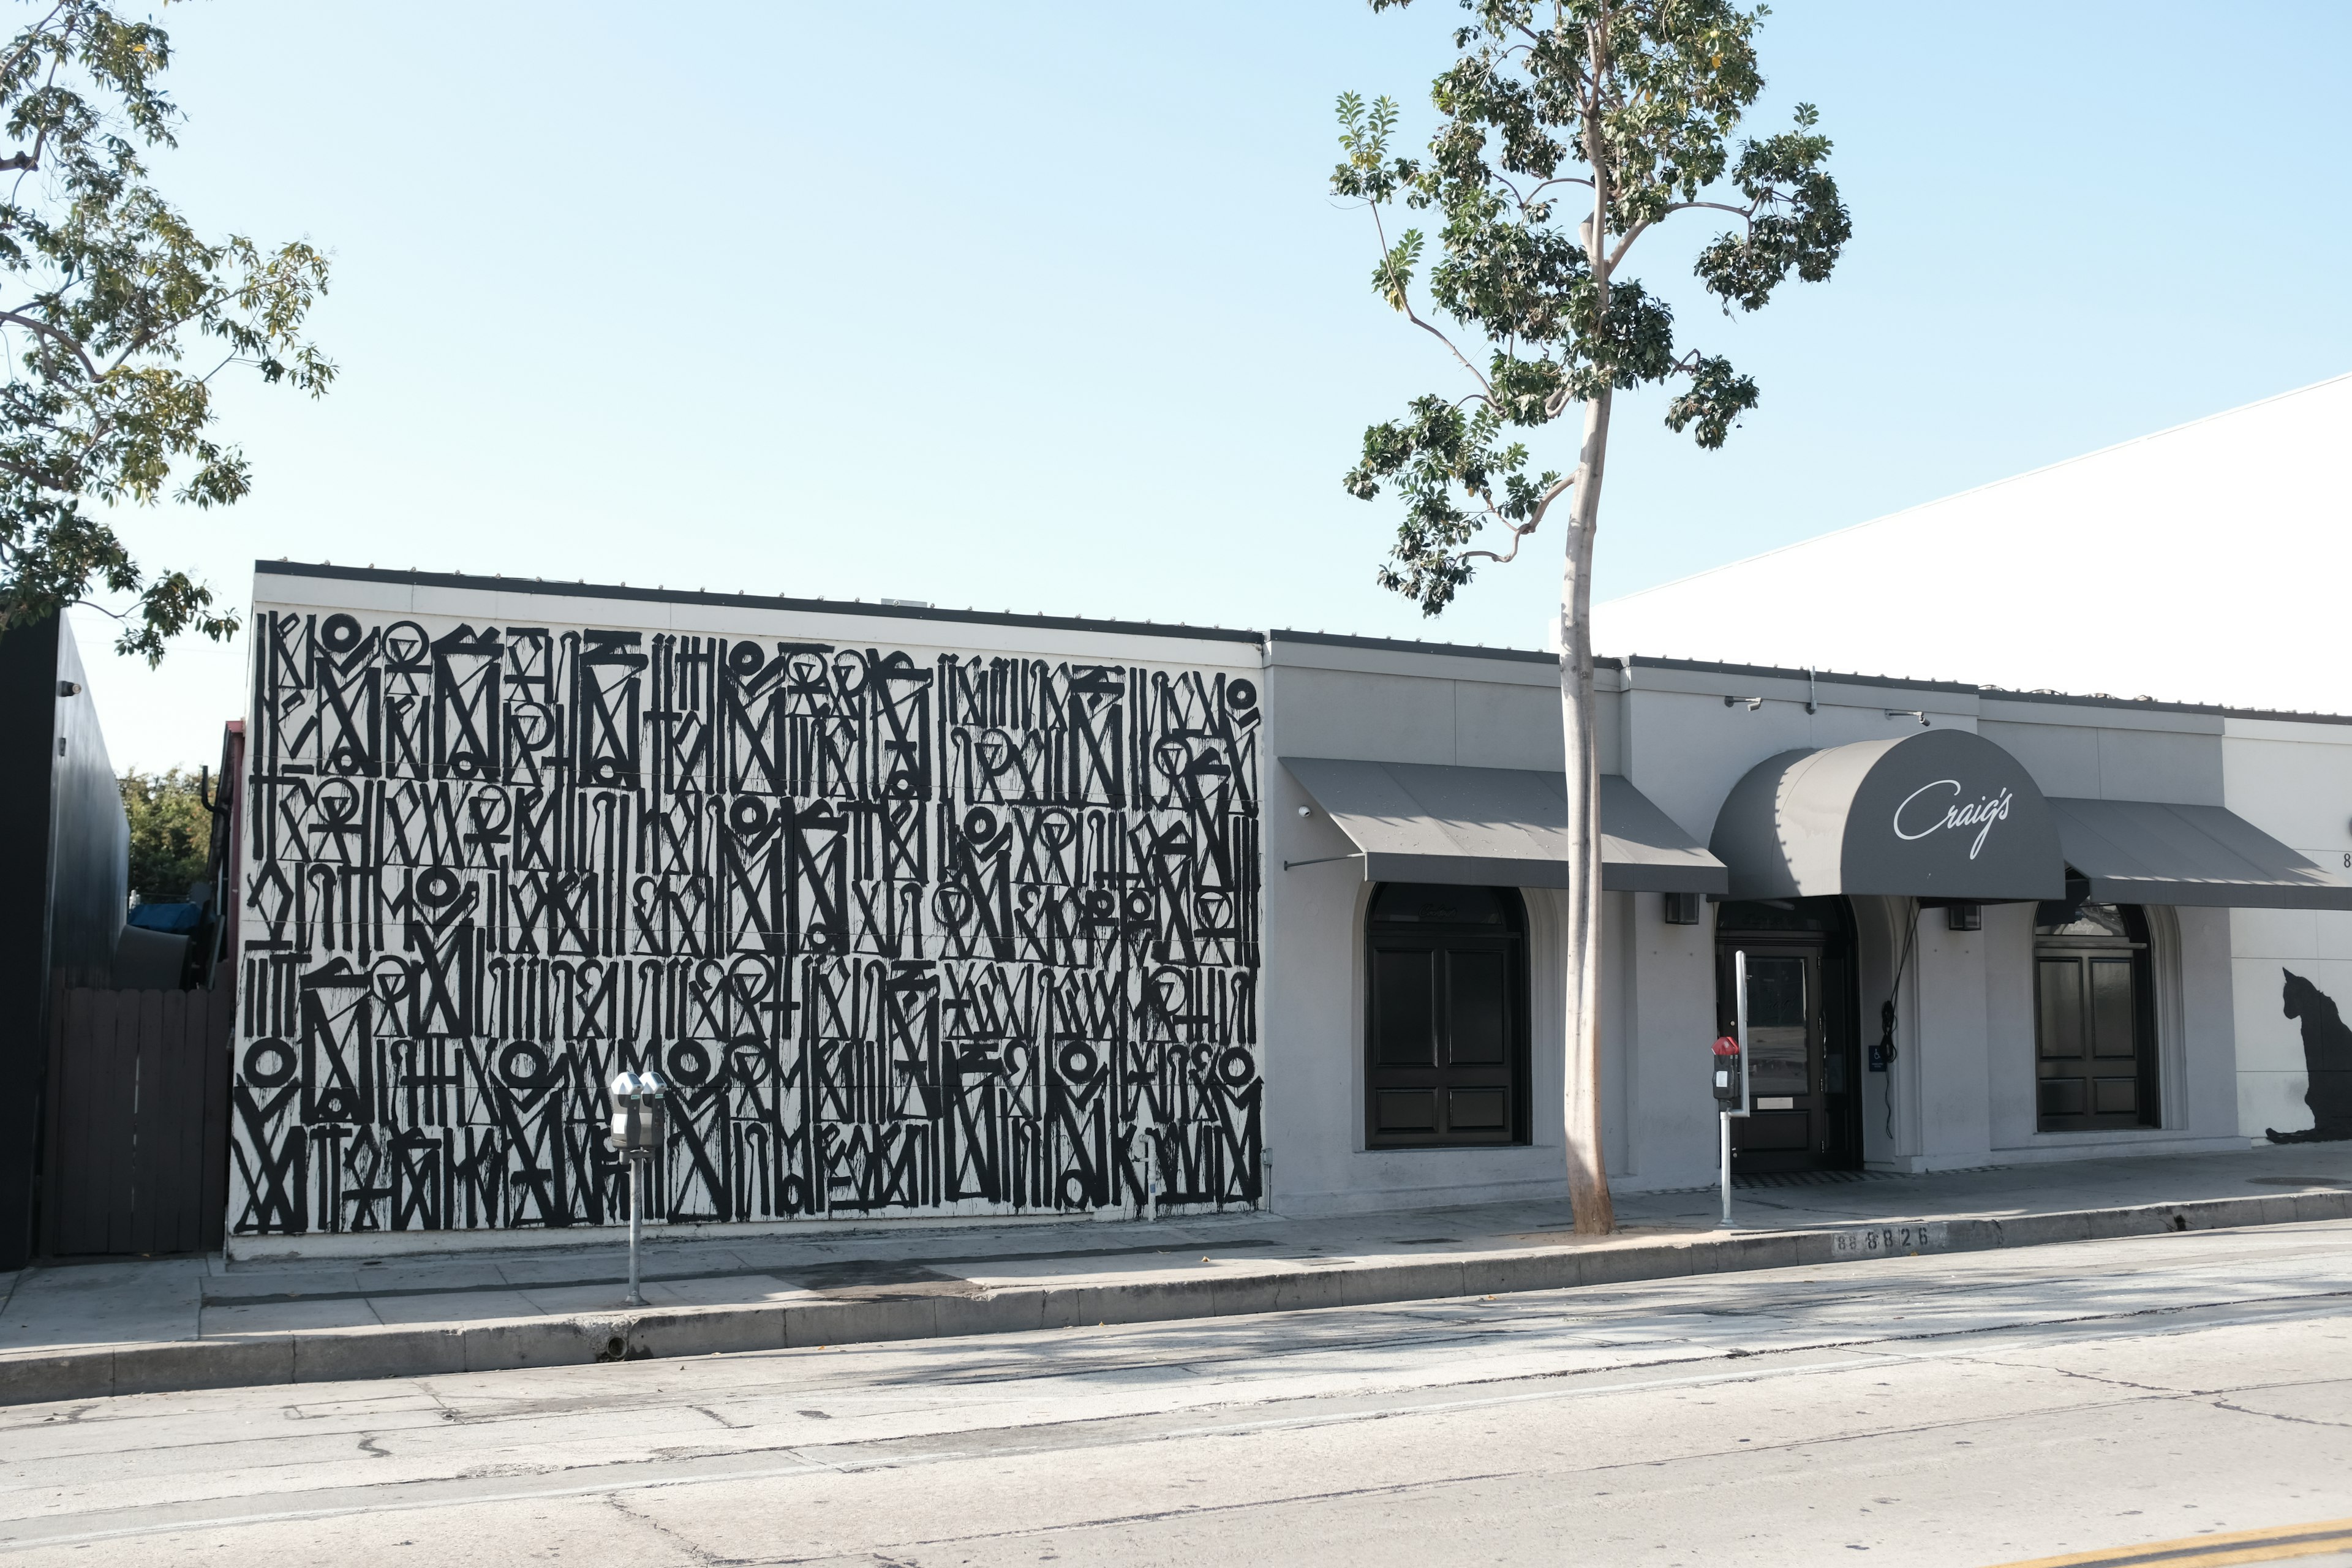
[[83, 1331]]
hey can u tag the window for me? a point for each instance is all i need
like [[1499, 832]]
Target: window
[[1446, 1018], [2094, 1017]]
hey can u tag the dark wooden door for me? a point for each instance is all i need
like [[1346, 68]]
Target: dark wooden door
[[137, 1155], [2087, 1040], [1445, 1041], [1442, 1026], [1799, 1053]]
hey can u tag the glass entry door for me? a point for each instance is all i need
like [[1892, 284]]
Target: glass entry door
[[1799, 1048]]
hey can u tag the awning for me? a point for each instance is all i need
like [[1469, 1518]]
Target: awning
[[1419, 822], [2144, 852], [1938, 813]]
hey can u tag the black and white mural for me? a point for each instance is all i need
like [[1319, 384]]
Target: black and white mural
[[910, 934]]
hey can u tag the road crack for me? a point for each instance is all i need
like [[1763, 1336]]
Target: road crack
[[693, 1549], [2279, 1415]]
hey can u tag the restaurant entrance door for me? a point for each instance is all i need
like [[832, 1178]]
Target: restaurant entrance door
[[1803, 1044]]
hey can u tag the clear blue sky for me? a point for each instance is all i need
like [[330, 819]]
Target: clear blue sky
[[1045, 307]]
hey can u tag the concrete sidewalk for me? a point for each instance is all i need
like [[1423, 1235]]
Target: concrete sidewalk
[[84, 1331]]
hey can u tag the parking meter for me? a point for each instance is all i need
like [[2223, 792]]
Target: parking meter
[[1729, 1091], [639, 1122]]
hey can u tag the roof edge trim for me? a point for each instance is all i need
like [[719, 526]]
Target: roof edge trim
[[493, 584]]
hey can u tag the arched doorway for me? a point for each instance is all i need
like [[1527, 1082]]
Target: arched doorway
[[2094, 1017]]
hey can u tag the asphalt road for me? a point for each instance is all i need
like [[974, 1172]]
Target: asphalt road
[[1971, 1410]]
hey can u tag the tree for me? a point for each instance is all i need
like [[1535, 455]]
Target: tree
[[1567, 131], [108, 289], [170, 833]]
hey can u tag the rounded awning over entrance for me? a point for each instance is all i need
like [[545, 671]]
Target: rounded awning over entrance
[[1940, 814]]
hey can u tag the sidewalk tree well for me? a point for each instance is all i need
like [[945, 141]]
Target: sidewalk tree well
[[116, 317], [1567, 131]]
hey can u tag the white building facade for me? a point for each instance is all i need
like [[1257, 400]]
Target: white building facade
[[934, 914]]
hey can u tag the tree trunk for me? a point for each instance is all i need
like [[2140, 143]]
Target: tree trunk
[[1588, 1165]]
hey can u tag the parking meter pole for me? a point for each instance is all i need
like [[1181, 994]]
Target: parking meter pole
[[1726, 1120], [636, 1212], [1740, 1027], [637, 1123]]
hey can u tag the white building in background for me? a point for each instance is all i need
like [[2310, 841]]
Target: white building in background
[[2200, 565], [932, 913], [2205, 563]]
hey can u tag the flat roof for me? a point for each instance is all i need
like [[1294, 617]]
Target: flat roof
[[1414, 645], [909, 612], [1993, 693], [901, 612]]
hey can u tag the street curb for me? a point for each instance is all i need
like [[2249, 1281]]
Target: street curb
[[335, 1355]]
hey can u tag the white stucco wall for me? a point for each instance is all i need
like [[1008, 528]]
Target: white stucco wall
[[1963, 1090], [1384, 705], [1667, 982], [2115, 751]]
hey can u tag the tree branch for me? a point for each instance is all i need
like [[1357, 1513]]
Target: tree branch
[[1746, 213], [33, 35], [26, 162], [1412, 316], [153, 335], [1626, 244], [1560, 180], [35, 324], [1519, 531], [1380, 231], [31, 476]]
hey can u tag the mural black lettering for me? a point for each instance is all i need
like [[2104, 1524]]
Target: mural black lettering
[[2326, 1061], [972, 935]]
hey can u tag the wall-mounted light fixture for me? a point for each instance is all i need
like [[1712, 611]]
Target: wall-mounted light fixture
[[1682, 909], [1907, 713], [1964, 917], [1750, 703], [69, 688]]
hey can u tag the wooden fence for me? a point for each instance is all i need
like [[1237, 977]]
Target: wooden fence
[[136, 1146]]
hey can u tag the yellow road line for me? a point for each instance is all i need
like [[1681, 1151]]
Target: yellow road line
[[2273, 1544]]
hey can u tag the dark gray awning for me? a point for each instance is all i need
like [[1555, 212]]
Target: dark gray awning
[[1418, 822], [1937, 814], [2144, 852]]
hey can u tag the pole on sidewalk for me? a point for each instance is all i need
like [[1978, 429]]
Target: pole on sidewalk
[[1747, 1103], [636, 1212], [638, 1123], [1725, 1118], [1149, 1132]]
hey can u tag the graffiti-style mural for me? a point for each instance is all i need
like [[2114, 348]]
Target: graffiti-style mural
[[2327, 1062], [961, 933]]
